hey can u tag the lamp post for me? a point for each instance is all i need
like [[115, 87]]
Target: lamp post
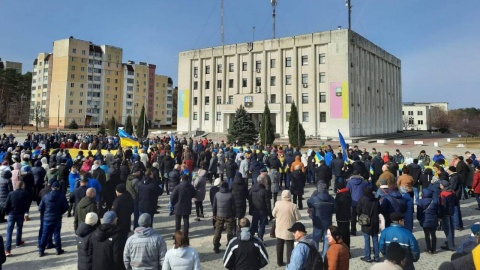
[[58, 115], [274, 5], [349, 6]]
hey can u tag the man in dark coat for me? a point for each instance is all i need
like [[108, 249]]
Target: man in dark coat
[[337, 166], [457, 187], [86, 205], [77, 195], [107, 245], [173, 179], [17, 204], [38, 177], [368, 205], [377, 164], [166, 166], [355, 184], [181, 199], [123, 207], [463, 170], [240, 195], [343, 204], [231, 169], [213, 191], [84, 241], [323, 173], [260, 206], [148, 192], [298, 186], [52, 207], [223, 214], [62, 177], [99, 174], [113, 179]]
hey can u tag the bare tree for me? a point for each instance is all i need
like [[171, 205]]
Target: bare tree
[[439, 119], [37, 115], [407, 124]]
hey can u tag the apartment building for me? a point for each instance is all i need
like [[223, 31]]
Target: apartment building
[[338, 79], [41, 83], [11, 65], [417, 115]]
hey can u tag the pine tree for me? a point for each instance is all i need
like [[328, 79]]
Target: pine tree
[[293, 128], [242, 128], [128, 125], [101, 129], [112, 126], [73, 125], [139, 129], [267, 127]]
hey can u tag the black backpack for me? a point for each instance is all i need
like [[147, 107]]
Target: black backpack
[[314, 260]]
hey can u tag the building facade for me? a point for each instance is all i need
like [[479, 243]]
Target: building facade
[[338, 80], [11, 65], [89, 84], [417, 115]]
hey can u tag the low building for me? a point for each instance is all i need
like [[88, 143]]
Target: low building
[[417, 115]]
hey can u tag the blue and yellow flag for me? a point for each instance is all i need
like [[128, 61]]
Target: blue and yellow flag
[[344, 146], [127, 139], [172, 144]]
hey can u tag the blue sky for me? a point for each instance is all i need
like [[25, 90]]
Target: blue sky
[[437, 40]]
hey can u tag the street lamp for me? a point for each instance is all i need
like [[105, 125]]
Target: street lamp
[[349, 6], [274, 4]]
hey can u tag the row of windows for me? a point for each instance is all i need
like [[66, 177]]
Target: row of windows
[[305, 116], [411, 112], [258, 64], [322, 98]]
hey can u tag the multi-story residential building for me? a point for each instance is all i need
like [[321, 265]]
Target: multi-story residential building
[[41, 83], [89, 84], [338, 79], [11, 65], [163, 101], [417, 115]]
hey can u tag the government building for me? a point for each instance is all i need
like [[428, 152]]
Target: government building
[[338, 79]]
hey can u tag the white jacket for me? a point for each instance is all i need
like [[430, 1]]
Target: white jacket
[[184, 258]]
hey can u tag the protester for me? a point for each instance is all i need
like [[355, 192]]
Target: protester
[[343, 203], [16, 205], [369, 207], [305, 245], [84, 241], [107, 248], [355, 184], [181, 256], [395, 258], [123, 208], [224, 215], [297, 185], [337, 256], [199, 184], [86, 205], [148, 193], [448, 202], [181, 199], [260, 207], [428, 215]]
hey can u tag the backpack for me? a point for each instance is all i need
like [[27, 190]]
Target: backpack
[[314, 260]]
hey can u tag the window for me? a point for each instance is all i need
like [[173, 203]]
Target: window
[[195, 116], [288, 79], [273, 98], [420, 122], [403, 112], [410, 121], [71, 77], [323, 97], [219, 100], [321, 77], [81, 94], [73, 67], [272, 63], [323, 117], [288, 98], [80, 102], [230, 67], [304, 78], [305, 117], [230, 99], [195, 85], [230, 83], [258, 65], [273, 80], [321, 58], [207, 100], [207, 69], [219, 116], [207, 84], [74, 59], [72, 84], [287, 116], [258, 81], [108, 80], [71, 102], [244, 66], [74, 50], [195, 71], [207, 116], [244, 82], [71, 93], [219, 84], [419, 112], [83, 52], [304, 98], [304, 60], [288, 61], [81, 85], [195, 101], [410, 112], [80, 110], [219, 68], [70, 111]]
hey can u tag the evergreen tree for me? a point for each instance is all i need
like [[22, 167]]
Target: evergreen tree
[[267, 127], [295, 129], [242, 128], [129, 125], [101, 129], [141, 129], [73, 125], [112, 126]]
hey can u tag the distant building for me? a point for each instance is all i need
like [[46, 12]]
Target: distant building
[[338, 79], [11, 65], [417, 115]]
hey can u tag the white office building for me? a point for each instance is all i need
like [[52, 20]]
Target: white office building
[[417, 115]]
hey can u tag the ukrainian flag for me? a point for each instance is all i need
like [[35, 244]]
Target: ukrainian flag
[[172, 145], [127, 139], [318, 157]]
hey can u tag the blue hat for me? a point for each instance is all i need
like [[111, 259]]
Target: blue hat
[[109, 217], [55, 184], [475, 228], [26, 169]]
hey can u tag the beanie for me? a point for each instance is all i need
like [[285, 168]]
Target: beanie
[[91, 218]]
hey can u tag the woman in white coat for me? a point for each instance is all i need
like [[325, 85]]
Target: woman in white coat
[[181, 256]]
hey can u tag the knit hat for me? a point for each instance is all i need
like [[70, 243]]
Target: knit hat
[[452, 169], [55, 184], [109, 217], [121, 188], [217, 182], [145, 220], [395, 253], [321, 187], [444, 183], [475, 228], [91, 219]]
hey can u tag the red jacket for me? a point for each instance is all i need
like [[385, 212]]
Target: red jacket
[[476, 182]]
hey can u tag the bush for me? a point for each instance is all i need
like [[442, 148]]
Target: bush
[[73, 125]]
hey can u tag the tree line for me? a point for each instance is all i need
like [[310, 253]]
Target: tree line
[[15, 94]]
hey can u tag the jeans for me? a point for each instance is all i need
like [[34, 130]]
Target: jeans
[[136, 213], [415, 194], [49, 228], [430, 233], [311, 176], [229, 181], [449, 231], [287, 181], [477, 196], [12, 220], [280, 245], [367, 249], [457, 217], [317, 233], [258, 224], [336, 180], [186, 224]]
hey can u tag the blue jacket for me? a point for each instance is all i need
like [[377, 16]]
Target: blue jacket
[[408, 213], [356, 184], [427, 210], [73, 178], [93, 183], [396, 233], [435, 188], [53, 206], [323, 206], [300, 254], [393, 202]]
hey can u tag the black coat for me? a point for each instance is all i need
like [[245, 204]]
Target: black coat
[[101, 177], [124, 172], [181, 199], [297, 185], [5, 188], [455, 184], [231, 168], [258, 200], [323, 173], [123, 207], [274, 162], [18, 202], [78, 194], [343, 204], [240, 195], [173, 180], [213, 191], [113, 179], [107, 248], [462, 170], [85, 206], [370, 207], [38, 174], [167, 165], [63, 173], [426, 180], [84, 246], [148, 192], [337, 165], [224, 204]]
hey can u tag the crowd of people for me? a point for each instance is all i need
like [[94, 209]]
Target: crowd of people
[[112, 196]]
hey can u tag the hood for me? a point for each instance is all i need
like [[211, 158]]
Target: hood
[[17, 166], [309, 240], [85, 202], [95, 166], [44, 160], [396, 194], [144, 232], [224, 190], [202, 173], [84, 229], [427, 193], [356, 180], [182, 252], [38, 163], [6, 174], [105, 231], [286, 195], [245, 234], [258, 187]]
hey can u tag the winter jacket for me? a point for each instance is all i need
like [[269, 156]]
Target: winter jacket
[[323, 173], [213, 166], [73, 179], [337, 257], [182, 258], [428, 209], [448, 201], [148, 192], [356, 184], [243, 168], [426, 179], [84, 246], [456, 184], [63, 173], [85, 206], [343, 204], [369, 206], [415, 171], [18, 202], [173, 179], [132, 185], [476, 182], [297, 184], [224, 204], [377, 164], [435, 188], [286, 214], [167, 164], [100, 175], [405, 238], [53, 206], [144, 250], [107, 248], [297, 162], [200, 186], [258, 200], [406, 181], [93, 183], [337, 166], [300, 253], [240, 195], [38, 173], [245, 252], [322, 208], [5, 185], [181, 199], [212, 193], [78, 194], [275, 177], [408, 221], [231, 168], [387, 176], [123, 207], [393, 202], [462, 170]]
